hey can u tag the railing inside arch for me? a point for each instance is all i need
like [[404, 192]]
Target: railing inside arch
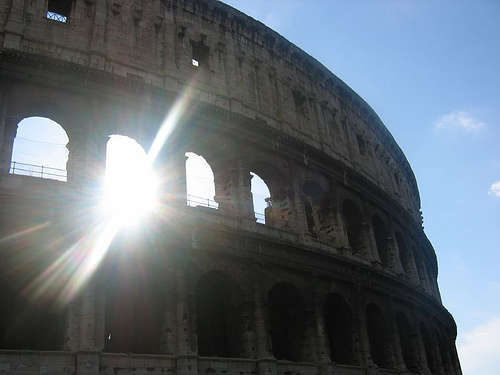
[[260, 217], [194, 201], [56, 17], [40, 171]]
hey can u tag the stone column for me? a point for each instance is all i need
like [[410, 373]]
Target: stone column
[[396, 341], [10, 131], [187, 361], [365, 354], [243, 194], [248, 339], [300, 215], [310, 349], [437, 354], [343, 240], [396, 263], [322, 346], [72, 326], [88, 317], [76, 167], [14, 27], [369, 241], [421, 354], [173, 173], [266, 363], [169, 334]]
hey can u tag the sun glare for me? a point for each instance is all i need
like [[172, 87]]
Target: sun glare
[[130, 185]]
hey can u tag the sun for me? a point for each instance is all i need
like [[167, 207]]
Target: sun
[[130, 184]]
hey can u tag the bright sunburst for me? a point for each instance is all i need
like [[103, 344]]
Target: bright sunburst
[[130, 185]]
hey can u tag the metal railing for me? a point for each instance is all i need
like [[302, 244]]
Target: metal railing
[[39, 171], [56, 17], [260, 217], [193, 201]]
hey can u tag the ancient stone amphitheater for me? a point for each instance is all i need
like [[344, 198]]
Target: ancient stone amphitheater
[[340, 279]]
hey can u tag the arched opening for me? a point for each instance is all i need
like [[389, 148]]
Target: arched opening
[[130, 183], [379, 337], [39, 149], [381, 240], [134, 286], [218, 316], [407, 341], [428, 347], [261, 197], [200, 185], [286, 321], [404, 254], [339, 327], [354, 226], [30, 316]]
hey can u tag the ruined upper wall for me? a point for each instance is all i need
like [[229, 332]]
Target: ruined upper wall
[[244, 67]]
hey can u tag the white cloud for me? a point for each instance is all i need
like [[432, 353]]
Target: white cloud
[[495, 189], [459, 120], [479, 349]]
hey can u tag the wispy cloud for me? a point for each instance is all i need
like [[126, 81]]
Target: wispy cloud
[[479, 349], [495, 189], [459, 120]]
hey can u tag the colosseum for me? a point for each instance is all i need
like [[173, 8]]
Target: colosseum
[[335, 276]]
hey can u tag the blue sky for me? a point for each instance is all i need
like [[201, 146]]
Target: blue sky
[[430, 69]]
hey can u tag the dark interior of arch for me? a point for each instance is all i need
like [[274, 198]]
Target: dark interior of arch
[[379, 337], [381, 235], [133, 285], [407, 342], [428, 346], [354, 225], [218, 317], [31, 315], [27, 324], [286, 321], [339, 327]]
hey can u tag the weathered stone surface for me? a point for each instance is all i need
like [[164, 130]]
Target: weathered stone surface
[[344, 225]]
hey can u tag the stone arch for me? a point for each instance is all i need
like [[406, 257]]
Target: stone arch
[[40, 149], [407, 339], [218, 316], [200, 181], [278, 212], [339, 328], [379, 336], [382, 240], [353, 221], [286, 321]]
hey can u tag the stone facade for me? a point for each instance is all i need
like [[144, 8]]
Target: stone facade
[[340, 280]]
